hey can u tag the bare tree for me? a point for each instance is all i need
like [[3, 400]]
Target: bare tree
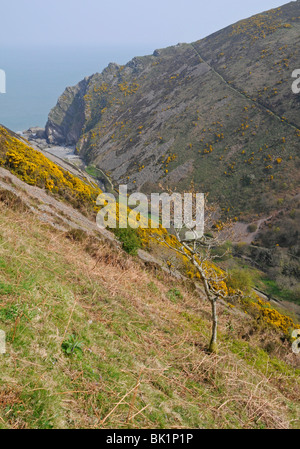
[[199, 251]]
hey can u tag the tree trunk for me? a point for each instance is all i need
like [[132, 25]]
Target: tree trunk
[[213, 347]]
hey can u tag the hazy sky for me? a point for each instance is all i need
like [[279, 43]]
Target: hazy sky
[[120, 22]]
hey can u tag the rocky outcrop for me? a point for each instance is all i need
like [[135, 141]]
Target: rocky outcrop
[[67, 118], [35, 132]]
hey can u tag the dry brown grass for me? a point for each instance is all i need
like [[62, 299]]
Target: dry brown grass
[[157, 347], [249, 391]]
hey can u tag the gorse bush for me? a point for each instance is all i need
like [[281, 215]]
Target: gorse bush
[[273, 317], [35, 169]]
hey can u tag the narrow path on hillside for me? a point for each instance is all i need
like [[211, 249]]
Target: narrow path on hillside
[[246, 97]]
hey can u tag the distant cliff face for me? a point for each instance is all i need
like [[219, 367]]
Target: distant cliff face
[[219, 112], [66, 120]]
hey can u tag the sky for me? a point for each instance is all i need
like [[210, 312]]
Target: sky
[[156, 23]]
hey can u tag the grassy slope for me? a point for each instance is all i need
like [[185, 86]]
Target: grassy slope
[[135, 333]]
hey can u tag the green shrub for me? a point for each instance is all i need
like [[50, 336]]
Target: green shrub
[[240, 279], [174, 294], [129, 239]]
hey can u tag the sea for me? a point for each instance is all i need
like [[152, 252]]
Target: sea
[[37, 76]]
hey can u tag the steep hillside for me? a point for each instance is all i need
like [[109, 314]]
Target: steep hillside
[[35, 169], [96, 341], [99, 339], [219, 112]]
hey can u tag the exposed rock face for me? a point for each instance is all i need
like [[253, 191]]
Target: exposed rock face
[[66, 119], [219, 112]]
